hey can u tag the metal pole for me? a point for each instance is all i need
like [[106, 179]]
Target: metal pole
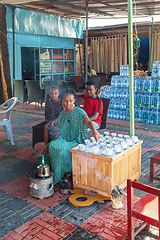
[[130, 54], [13, 8], [86, 44], [150, 47]]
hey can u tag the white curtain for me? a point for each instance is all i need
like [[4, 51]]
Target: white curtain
[[155, 46], [108, 53]]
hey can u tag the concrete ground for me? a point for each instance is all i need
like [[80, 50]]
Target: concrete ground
[[25, 217]]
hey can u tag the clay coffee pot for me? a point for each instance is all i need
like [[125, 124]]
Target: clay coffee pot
[[65, 184]]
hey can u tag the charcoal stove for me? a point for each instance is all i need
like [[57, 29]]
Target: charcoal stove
[[41, 182]]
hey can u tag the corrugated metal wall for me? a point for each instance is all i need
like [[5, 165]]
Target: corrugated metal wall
[[31, 40]]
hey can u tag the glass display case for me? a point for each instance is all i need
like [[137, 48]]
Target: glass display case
[[54, 64]]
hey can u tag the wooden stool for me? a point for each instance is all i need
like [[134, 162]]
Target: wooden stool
[[154, 160]]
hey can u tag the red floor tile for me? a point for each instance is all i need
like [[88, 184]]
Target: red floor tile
[[143, 150], [143, 132], [113, 232], [22, 191], [155, 134], [45, 226], [27, 154], [156, 147], [28, 136], [109, 223], [2, 154], [2, 135]]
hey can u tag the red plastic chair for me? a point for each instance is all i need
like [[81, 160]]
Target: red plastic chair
[[146, 209]]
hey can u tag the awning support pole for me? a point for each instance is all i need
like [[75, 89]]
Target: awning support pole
[[86, 44], [130, 54], [150, 47]]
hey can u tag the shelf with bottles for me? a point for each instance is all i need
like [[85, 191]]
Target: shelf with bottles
[[46, 67], [57, 67], [68, 54], [57, 54], [69, 67]]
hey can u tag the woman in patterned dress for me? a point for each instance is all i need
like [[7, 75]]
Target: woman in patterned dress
[[73, 123]]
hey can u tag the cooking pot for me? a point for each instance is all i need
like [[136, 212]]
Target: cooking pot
[[43, 170]]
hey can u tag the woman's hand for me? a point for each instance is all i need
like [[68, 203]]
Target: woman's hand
[[90, 125], [96, 134]]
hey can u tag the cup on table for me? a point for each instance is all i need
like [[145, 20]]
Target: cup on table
[[126, 136], [120, 135], [129, 142], [113, 134], [81, 147], [109, 152], [87, 141], [124, 145], [106, 133], [135, 139], [117, 148]]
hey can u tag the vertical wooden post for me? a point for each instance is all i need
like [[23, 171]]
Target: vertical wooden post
[[86, 44], [150, 46], [130, 54], [4, 57]]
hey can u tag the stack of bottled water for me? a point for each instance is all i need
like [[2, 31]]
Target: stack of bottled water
[[119, 94], [124, 70], [156, 69], [146, 98], [108, 145]]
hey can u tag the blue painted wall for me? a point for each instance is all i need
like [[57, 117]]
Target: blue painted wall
[[31, 40]]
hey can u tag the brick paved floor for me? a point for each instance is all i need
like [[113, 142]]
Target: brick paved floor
[[25, 217]]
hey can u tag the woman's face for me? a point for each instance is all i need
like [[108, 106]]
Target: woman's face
[[68, 101]]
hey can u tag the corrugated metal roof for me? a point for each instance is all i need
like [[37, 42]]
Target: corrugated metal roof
[[77, 9]]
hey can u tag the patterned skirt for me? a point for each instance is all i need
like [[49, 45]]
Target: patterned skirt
[[61, 157]]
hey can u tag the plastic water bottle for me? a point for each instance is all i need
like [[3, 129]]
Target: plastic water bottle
[[155, 100], [136, 99], [153, 85], [136, 114], [117, 103], [139, 115], [148, 100], [145, 115], [143, 99], [109, 113], [113, 113], [158, 85], [149, 84], [154, 117], [135, 84], [127, 114], [154, 69], [119, 81]]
